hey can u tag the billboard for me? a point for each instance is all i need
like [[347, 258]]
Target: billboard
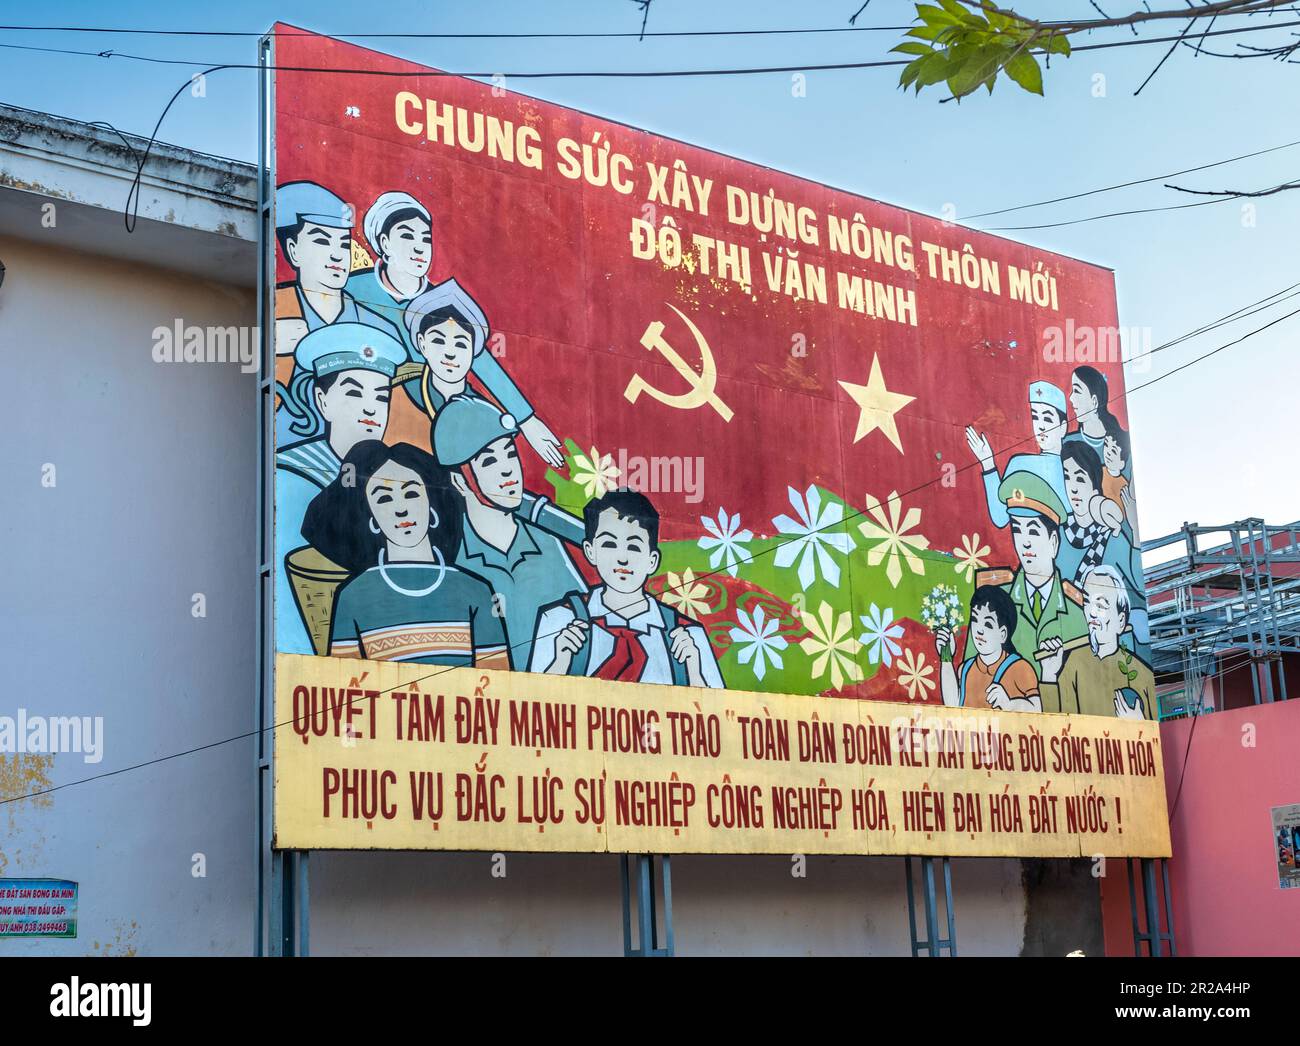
[[580, 418]]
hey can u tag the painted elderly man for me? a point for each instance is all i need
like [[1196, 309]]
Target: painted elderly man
[[1101, 678]]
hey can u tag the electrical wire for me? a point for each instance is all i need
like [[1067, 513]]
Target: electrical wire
[[1125, 214], [1130, 184], [451, 36], [609, 73]]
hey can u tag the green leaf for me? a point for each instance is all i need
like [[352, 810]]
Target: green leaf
[[1058, 45], [909, 72], [998, 21], [932, 15], [934, 68], [962, 14], [1024, 70], [913, 47], [925, 32], [978, 64]]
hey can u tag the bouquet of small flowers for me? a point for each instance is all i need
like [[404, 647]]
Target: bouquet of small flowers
[[942, 609]]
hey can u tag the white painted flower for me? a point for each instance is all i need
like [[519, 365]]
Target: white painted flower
[[970, 556], [881, 635], [756, 640], [687, 594], [915, 675], [725, 540], [889, 527], [830, 641], [814, 533], [597, 474]]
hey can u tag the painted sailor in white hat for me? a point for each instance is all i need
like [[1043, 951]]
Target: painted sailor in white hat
[[342, 384]]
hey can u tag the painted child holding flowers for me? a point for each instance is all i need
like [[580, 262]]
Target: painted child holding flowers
[[996, 676]]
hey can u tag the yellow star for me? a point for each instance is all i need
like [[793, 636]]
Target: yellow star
[[878, 405]]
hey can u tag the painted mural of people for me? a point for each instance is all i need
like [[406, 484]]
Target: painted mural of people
[[1090, 401], [618, 630], [344, 372], [1116, 485], [1047, 417], [1100, 677], [395, 527], [1047, 606], [399, 230], [515, 551], [997, 675], [450, 332], [1091, 541], [314, 229]]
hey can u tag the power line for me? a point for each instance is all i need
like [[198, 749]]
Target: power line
[[1126, 185], [129, 216], [1125, 214], [605, 73], [442, 671], [452, 36]]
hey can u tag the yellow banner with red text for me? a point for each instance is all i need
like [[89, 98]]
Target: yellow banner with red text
[[383, 755]]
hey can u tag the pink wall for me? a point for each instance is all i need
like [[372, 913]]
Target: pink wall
[[1224, 872]]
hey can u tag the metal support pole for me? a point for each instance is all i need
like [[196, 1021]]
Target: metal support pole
[[275, 944], [932, 944], [647, 906], [303, 904], [1152, 935], [269, 866]]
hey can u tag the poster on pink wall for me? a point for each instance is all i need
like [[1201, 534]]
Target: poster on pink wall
[[1286, 836]]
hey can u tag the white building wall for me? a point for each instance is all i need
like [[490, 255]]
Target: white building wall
[[153, 503]]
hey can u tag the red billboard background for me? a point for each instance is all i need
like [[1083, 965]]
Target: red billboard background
[[551, 261]]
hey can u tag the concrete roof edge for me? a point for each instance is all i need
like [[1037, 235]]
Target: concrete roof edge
[[82, 163]]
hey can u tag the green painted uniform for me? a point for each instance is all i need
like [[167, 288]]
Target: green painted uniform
[[1061, 618], [1087, 683]]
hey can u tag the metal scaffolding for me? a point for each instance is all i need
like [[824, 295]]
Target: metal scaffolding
[[1230, 600]]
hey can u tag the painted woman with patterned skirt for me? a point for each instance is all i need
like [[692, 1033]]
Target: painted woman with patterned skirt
[[392, 521]]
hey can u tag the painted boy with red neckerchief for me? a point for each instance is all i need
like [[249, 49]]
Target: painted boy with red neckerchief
[[618, 630]]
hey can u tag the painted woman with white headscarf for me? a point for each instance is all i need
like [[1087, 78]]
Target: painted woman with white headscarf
[[450, 332], [399, 229]]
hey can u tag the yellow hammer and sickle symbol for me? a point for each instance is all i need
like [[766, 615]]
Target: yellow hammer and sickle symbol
[[702, 384]]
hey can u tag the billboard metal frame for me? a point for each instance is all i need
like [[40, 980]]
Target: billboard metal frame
[[282, 916]]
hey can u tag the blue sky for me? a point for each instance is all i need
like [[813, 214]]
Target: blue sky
[[1211, 444]]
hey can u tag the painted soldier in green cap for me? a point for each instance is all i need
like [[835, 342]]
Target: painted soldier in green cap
[[1046, 606], [510, 536]]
